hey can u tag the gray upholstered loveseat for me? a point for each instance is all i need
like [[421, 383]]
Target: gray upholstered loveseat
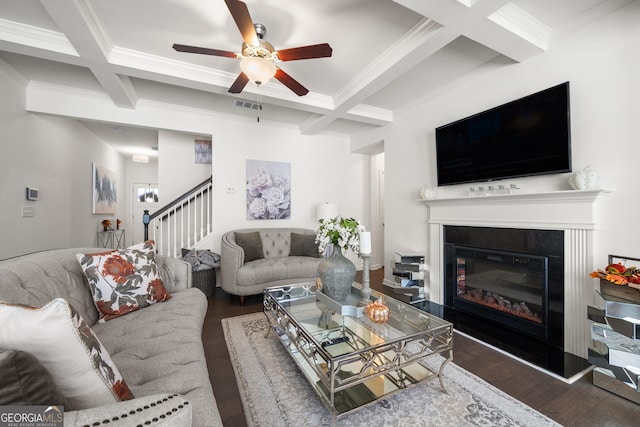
[[255, 258], [157, 349]]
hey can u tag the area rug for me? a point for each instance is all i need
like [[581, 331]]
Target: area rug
[[274, 392]]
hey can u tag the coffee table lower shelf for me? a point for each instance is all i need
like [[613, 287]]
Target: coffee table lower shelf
[[359, 385], [372, 389]]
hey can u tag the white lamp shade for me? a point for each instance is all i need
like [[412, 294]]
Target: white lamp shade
[[326, 211], [259, 70]]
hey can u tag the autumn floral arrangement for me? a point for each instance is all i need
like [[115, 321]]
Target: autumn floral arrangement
[[618, 274], [106, 224], [118, 222], [341, 232]]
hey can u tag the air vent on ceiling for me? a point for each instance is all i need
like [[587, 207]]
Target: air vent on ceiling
[[241, 103]]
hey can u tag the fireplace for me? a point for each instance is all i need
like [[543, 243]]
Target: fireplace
[[571, 214], [510, 277]]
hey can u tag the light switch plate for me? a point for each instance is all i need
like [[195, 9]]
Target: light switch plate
[[28, 211]]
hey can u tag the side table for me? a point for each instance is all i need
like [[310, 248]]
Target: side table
[[205, 280], [615, 349], [113, 239]]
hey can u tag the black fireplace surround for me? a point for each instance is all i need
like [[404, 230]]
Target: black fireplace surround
[[526, 247], [512, 277]]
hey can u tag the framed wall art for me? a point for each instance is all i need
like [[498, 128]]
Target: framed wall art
[[105, 196], [204, 151], [268, 190]]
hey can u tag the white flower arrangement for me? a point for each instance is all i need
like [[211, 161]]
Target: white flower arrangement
[[341, 232]]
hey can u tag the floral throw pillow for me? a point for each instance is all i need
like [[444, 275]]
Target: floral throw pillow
[[66, 346], [123, 280]]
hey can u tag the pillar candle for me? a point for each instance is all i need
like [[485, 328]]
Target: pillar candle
[[365, 242]]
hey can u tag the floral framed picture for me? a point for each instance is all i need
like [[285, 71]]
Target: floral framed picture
[[268, 190], [105, 195]]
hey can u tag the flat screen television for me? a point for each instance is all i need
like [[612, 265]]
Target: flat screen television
[[525, 137]]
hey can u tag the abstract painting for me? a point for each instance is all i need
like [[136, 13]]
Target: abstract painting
[[204, 152], [104, 190]]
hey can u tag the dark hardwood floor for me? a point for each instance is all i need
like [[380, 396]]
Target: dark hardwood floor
[[579, 404]]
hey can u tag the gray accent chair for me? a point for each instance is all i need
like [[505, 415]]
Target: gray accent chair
[[157, 349], [277, 267]]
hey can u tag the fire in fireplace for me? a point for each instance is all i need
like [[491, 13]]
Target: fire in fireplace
[[503, 286], [512, 277]]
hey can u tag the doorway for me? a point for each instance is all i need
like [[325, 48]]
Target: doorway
[[145, 197]]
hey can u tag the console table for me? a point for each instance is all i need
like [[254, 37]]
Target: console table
[[112, 239]]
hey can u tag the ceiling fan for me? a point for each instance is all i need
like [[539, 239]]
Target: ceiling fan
[[258, 55]]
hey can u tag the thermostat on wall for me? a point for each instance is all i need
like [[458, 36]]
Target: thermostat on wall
[[32, 193]]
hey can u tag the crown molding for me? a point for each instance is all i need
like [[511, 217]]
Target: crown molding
[[520, 22], [34, 37]]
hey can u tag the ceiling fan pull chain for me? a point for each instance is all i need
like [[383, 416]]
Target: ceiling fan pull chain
[[259, 106]]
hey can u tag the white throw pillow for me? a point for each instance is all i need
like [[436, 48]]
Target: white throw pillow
[[65, 345]]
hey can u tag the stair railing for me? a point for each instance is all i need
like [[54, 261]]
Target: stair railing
[[183, 222]]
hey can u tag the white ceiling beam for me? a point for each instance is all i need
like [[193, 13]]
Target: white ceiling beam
[[97, 106], [496, 24], [425, 39], [81, 24]]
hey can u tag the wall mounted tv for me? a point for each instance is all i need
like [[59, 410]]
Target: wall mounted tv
[[525, 137]]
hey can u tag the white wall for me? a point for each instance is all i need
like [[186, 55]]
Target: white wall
[[602, 63], [55, 155], [177, 168], [322, 170]]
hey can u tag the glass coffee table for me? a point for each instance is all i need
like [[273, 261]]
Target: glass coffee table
[[350, 361]]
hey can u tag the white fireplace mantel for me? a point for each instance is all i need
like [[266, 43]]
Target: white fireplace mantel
[[573, 211]]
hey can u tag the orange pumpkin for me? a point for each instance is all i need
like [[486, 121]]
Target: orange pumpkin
[[377, 312]]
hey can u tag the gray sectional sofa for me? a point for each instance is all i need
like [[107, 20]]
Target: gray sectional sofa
[[255, 258], [157, 349]]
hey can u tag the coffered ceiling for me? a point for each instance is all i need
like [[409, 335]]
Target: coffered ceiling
[[387, 54]]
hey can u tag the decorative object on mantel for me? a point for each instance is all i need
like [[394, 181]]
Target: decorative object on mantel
[[619, 281], [106, 224], [586, 179], [427, 193], [336, 271], [492, 190]]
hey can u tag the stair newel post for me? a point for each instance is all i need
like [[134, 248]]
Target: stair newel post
[[145, 221]]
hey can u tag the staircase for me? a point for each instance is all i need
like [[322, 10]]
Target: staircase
[[182, 223]]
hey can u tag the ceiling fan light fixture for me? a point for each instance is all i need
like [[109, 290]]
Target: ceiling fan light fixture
[[259, 70]]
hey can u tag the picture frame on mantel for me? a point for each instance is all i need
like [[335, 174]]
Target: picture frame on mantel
[[105, 195]]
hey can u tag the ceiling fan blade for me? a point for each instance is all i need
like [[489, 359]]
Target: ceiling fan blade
[[240, 14], [239, 84], [305, 52], [204, 51], [289, 82]]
